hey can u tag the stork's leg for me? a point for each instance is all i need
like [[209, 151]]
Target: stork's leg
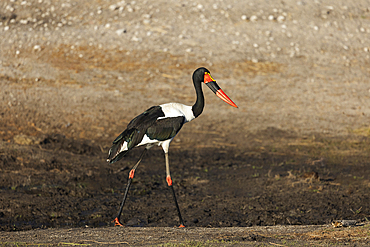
[[130, 177], [169, 182]]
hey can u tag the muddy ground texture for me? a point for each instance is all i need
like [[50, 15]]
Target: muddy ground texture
[[295, 153]]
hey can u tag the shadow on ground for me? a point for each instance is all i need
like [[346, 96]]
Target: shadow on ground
[[279, 179]]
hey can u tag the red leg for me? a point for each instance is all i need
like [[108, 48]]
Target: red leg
[[169, 182], [130, 177]]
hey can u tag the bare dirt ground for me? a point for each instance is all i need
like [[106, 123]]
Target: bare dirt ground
[[277, 171]]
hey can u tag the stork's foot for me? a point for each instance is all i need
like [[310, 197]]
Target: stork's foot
[[182, 226], [116, 222]]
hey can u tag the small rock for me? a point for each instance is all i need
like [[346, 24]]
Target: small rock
[[25, 140], [37, 48], [280, 18], [113, 7], [136, 39], [253, 18]]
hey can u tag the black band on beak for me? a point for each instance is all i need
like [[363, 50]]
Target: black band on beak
[[213, 86], [221, 94]]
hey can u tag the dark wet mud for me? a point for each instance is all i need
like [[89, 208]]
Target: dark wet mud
[[278, 179]]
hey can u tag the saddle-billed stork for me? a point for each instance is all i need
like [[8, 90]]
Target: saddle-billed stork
[[158, 126]]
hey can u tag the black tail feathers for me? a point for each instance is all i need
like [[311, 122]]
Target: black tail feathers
[[114, 153], [117, 157]]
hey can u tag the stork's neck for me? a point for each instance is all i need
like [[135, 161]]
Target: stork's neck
[[199, 104]]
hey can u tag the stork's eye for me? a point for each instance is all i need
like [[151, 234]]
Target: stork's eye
[[207, 77]]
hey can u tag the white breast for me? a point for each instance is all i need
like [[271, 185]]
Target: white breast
[[177, 110]]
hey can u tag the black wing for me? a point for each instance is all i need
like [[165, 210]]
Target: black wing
[[134, 133], [146, 118], [165, 128], [136, 128]]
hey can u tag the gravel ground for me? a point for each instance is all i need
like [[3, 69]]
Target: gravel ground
[[84, 69], [166, 236], [296, 65]]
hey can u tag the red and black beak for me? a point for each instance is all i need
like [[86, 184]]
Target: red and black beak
[[208, 80]]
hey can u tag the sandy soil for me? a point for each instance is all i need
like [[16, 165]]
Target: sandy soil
[[295, 152], [166, 236]]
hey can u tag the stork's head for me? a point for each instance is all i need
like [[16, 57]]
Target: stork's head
[[203, 75]]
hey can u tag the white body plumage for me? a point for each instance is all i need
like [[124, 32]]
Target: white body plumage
[[169, 110]]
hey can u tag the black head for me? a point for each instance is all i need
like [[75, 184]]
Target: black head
[[198, 75], [203, 75]]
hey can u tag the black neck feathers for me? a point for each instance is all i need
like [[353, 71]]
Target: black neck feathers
[[199, 103], [198, 78]]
